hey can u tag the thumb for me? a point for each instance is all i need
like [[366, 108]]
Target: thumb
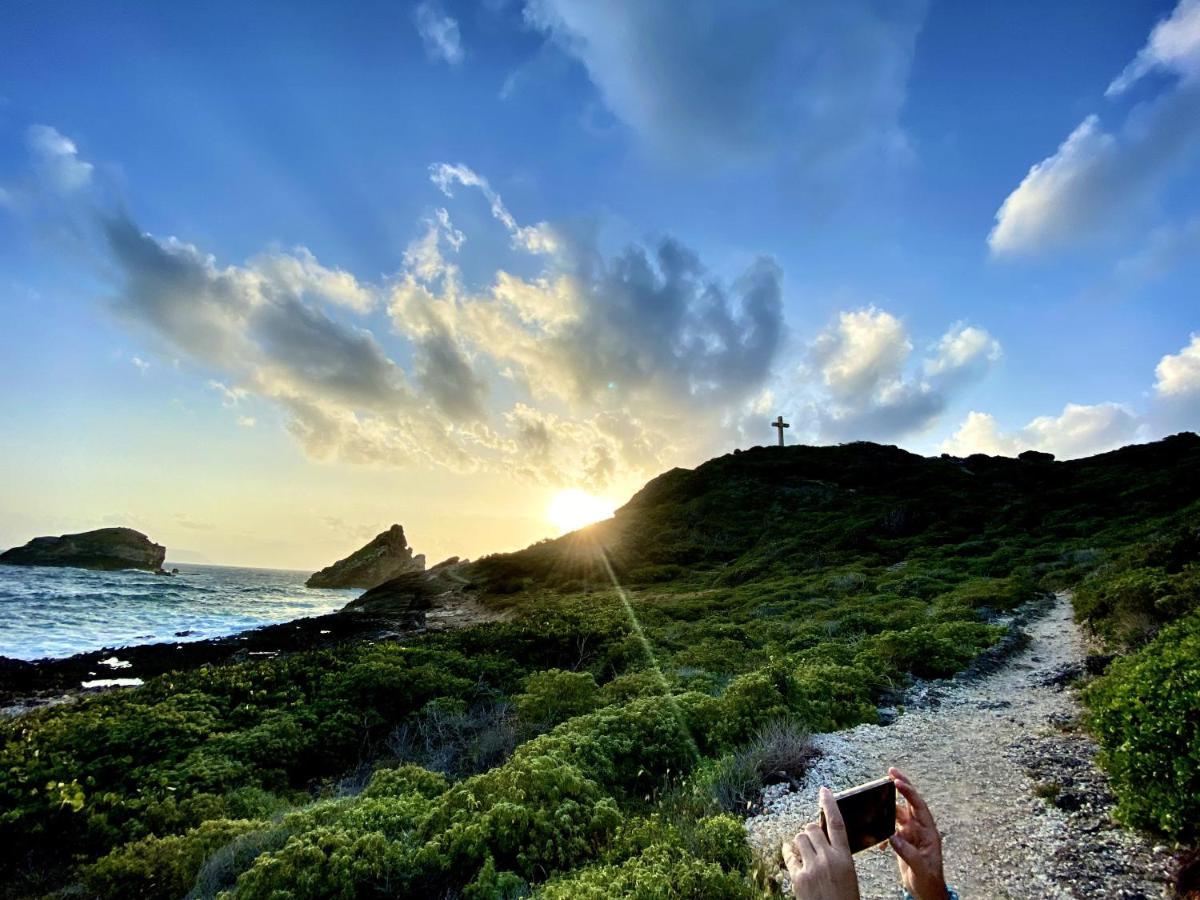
[[905, 850]]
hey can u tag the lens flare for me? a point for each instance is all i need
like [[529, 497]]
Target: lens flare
[[663, 686]]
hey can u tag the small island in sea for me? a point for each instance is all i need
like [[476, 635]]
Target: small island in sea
[[105, 549]]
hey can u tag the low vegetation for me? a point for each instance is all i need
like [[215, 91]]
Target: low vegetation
[[585, 748]]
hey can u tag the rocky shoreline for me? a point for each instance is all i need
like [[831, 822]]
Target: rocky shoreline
[[407, 606]]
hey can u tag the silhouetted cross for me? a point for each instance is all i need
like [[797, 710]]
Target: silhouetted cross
[[780, 424]]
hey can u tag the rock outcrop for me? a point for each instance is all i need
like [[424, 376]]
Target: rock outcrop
[[105, 549], [384, 558]]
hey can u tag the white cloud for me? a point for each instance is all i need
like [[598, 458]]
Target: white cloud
[[1080, 430], [439, 32], [539, 238], [246, 421], [140, 364], [1102, 182], [230, 396], [299, 273], [1178, 375], [862, 363], [57, 158], [963, 352], [715, 82], [862, 351], [1174, 46]]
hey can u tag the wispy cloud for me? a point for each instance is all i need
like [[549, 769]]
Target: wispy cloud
[[815, 82], [58, 159], [439, 32]]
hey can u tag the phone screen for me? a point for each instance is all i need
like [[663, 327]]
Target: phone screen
[[869, 812]]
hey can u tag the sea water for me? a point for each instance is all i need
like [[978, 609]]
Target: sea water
[[55, 612]]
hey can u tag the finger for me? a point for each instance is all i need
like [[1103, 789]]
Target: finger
[[905, 850], [808, 853], [816, 834], [920, 810], [903, 815], [833, 821], [790, 859]]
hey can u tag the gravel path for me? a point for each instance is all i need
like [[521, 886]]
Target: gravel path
[[977, 748]]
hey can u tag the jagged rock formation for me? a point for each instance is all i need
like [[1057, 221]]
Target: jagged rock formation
[[104, 548], [384, 558]]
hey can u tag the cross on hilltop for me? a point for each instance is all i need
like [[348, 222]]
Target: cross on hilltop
[[780, 424]]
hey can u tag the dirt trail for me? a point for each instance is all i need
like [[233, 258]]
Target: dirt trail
[[976, 748]]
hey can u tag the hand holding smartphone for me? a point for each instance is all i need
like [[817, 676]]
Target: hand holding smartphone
[[869, 812]]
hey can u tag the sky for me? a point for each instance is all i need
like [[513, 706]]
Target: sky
[[275, 275]]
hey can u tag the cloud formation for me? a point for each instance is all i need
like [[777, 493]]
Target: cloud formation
[[57, 159], [1178, 374], [1098, 182], [576, 366], [862, 363], [439, 32], [1173, 46], [1080, 430], [719, 82]]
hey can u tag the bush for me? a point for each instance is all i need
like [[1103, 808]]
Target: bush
[[162, 867], [661, 872], [936, 651], [1146, 714], [779, 751], [1127, 606], [554, 696], [450, 737]]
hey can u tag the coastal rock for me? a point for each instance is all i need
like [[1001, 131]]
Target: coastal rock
[[384, 558], [104, 548]]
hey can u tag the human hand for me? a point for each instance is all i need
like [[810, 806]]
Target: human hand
[[820, 867], [917, 843]]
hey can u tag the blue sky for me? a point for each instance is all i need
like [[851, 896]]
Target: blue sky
[[273, 276]]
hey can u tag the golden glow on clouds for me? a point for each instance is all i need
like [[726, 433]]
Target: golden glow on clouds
[[573, 508]]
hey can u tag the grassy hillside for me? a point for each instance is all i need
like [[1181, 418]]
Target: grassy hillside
[[595, 744]]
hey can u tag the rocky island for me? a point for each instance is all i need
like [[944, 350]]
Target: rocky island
[[106, 549], [384, 558]]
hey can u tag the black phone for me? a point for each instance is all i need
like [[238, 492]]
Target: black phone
[[869, 812]]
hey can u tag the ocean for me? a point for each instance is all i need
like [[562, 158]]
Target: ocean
[[56, 612]]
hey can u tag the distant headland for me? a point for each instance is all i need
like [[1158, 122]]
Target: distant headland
[[106, 549]]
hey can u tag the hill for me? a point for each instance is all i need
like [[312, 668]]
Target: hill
[[649, 672]]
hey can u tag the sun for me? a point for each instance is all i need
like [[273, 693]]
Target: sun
[[572, 508]]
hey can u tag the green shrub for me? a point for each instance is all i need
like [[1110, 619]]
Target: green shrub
[[554, 696], [1146, 714], [1127, 606], [162, 867], [661, 872], [931, 651], [631, 686]]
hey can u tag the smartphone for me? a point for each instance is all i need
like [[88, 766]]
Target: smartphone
[[869, 812]]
